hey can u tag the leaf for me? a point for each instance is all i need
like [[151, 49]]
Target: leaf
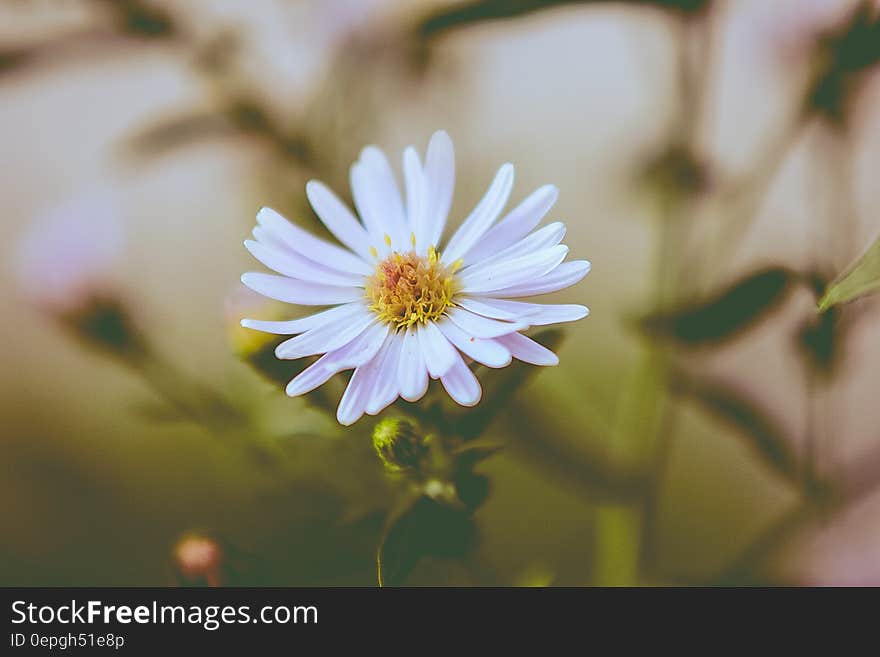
[[143, 19], [499, 386], [862, 277], [846, 51], [763, 435], [724, 315], [421, 529], [472, 489]]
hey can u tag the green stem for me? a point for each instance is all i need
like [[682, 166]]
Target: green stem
[[625, 533]]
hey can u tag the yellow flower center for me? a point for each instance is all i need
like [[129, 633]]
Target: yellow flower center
[[409, 289]]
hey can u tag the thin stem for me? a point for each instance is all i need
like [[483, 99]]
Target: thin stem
[[191, 398], [740, 201]]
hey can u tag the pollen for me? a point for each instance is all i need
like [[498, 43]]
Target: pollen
[[409, 289]]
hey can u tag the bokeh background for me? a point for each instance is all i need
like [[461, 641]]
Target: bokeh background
[[718, 164]]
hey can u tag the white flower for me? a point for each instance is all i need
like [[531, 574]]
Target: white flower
[[67, 254], [403, 309]]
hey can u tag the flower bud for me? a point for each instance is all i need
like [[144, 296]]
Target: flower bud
[[399, 444], [65, 267], [67, 254], [199, 560]]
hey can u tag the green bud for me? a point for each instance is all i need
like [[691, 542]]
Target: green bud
[[399, 444]]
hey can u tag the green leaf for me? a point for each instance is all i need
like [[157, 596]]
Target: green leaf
[[862, 277], [424, 528], [844, 53], [724, 315], [499, 387]]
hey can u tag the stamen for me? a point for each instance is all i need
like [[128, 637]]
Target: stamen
[[387, 239], [408, 289], [374, 252]]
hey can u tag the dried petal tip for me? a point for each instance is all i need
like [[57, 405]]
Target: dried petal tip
[[399, 444]]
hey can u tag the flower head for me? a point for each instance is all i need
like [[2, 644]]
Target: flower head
[[404, 309], [67, 254]]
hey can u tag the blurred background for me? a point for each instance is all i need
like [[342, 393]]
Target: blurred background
[[718, 164]]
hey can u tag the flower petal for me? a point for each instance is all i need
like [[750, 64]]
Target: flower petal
[[488, 352], [479, 306], [461, 384], [361, 349], [378, 201], [296, 266], [353, 354], [438, 353], [310, 246], [387, 195], [338, 218], [544, 238], [518, 223], [387, 388], [506, 273], [412, 374], [482, 216], [440, 180], [303, 324], [565, 275], [527, 350], [315, 375], [417, 207], [537, 314], [267, 238], [482, 327], [357, 394], [303, 293], [324, 338]]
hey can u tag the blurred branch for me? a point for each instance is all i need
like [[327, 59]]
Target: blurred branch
[[89, 40], [127, 19], [572, 466], [680, 176], [170, 133], [238, 116], [535, 438], [764, 436], [852, 486], [480, 11], [841, 58], [740, 199]]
